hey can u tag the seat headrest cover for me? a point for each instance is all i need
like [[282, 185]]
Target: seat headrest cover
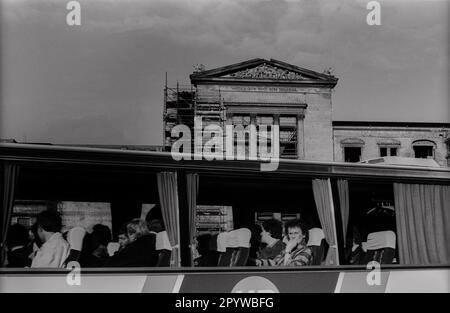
[[222, 241], [380, 240], [75, 237], [239, 238], [162, 241], [315, 237]]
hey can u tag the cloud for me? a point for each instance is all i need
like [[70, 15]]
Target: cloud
[[285, 28], [113, 64]]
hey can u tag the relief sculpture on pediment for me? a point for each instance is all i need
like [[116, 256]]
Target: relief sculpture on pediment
[[265, 71]]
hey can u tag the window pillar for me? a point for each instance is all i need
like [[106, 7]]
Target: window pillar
[[253, 144], [300, 137]]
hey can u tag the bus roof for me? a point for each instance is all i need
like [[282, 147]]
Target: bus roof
[[395, 160], [35, 153]]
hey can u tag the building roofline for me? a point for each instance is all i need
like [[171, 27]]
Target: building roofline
[[215, 75], [391, 124]]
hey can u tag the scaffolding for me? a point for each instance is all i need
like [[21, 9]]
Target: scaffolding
[[209, 107], [183, 103], [178, 109]]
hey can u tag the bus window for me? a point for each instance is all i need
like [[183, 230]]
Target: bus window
[[95, 208], [251, 201], [371, 231], [398, 223]]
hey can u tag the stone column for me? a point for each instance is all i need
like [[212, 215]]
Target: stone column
[[276, 121], [300, 137], [253, 144], [228, 144]]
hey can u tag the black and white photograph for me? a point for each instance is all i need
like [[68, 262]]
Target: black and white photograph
[[225, 147]]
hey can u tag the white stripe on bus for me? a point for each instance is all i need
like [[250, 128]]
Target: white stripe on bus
[[177, 286], [339, 282]]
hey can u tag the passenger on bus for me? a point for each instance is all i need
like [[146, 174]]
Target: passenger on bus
[[100, 237], [156, 225], [34, 237], [271, 237], [54, 249], [123, 237], [296, 253], [17, 243], [114, 247], [139, 251], [35, 242], [155, 220]]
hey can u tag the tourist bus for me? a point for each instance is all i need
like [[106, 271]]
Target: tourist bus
[[113, 186]]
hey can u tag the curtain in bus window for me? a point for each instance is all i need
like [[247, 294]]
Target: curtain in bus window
[[324, 204], [168, 197], [10, 175], [344, 204], [192, 182], [423, 223]]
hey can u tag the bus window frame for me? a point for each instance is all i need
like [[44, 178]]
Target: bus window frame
[[69, 157]]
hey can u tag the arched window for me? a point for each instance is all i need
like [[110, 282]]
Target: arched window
[[424, 148]]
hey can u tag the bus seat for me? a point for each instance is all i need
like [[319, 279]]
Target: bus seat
[[315, 236], [225, 258], [222, 241], [75, 238], [237, 247], [317, 244], [239, 238], [162, 241], [163, 249], [380, 247], [234, 257]]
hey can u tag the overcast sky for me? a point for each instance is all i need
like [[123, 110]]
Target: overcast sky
[[102, 82]]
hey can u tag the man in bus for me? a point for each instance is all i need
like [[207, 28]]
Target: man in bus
[[54, 249], [271, 237], [296, 253], [139, 251]]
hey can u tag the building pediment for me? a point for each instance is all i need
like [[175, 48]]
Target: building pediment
[[262, 71]]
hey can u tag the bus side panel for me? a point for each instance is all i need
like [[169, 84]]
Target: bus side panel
[[105, 283], [422, 281], [401, 280]]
